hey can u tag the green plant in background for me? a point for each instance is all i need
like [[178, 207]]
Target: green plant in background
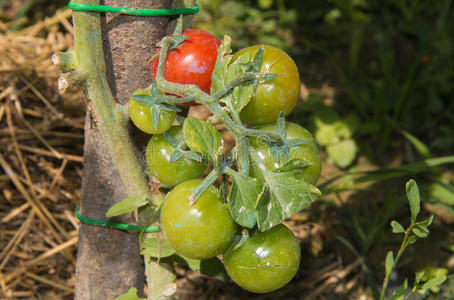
[[426, 280], [249, 22]]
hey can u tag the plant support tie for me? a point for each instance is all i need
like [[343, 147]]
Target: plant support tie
[[133, 11], [113, 224]]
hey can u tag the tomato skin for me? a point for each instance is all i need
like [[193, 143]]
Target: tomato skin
[[192, 62], [276, 95], [158, 154], [246, 265], [200, 231], [307, 152], [140, 115]]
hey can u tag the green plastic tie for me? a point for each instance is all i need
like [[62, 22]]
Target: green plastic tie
[[133, 11], [112, 224]]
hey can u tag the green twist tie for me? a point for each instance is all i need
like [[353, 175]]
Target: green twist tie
[[112, 224], [133, 11]]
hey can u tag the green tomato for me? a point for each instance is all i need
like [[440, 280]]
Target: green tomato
[[140, 115], [200, 231], [276, 95], [158, 154], [308, 152], [265, 262]]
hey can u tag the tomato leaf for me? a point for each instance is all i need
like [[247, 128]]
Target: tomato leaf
[[212, 267], [131, 294], [127, 205], [220, 68], [242, 93], [156, 247], [284, 196], [201, 137], [242, 198]]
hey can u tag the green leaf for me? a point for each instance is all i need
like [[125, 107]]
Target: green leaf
[[389, 261], [421, 231], [218, 80], [201, 137], [131, 294], [214, 268], [413, 198], [257, 60], [127, 205], [156, 247], [284, 196], [342, 153], [397, 228], [419, 146], [434, 282], [399, 293], [243, 197], [418, 276], [412, 239], [426, 223], [242, 93]]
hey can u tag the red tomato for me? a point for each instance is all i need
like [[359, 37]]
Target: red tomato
[[192, 62]]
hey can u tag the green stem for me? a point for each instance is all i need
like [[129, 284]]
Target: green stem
[[402, 248]]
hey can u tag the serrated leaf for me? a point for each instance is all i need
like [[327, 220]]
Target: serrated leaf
[[285, 195], [156, 247], [397, 228], [399, 293], [413, 198], [421, 231], [131, 294], [127, 205], [200, 136], [389, 261], [343, 153], [434, 282], [243, 197]]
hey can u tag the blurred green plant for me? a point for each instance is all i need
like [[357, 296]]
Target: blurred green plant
[[248, 22], [393, 61]]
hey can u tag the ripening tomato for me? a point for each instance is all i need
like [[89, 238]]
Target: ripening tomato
[[141, 116], [200, 231], [276, 95], [159, 153], [265, 262], [192, 62], [307, 152]]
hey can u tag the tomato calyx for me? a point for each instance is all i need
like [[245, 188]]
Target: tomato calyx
[[181, 149]]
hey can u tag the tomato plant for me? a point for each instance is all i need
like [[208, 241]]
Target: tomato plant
[[306, 152], [264, 262], [276, 95], [159, 160], [193, 61], [267, 177], [142, 117], [200, 231]]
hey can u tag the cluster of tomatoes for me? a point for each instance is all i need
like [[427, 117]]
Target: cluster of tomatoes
[[266, 260]]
